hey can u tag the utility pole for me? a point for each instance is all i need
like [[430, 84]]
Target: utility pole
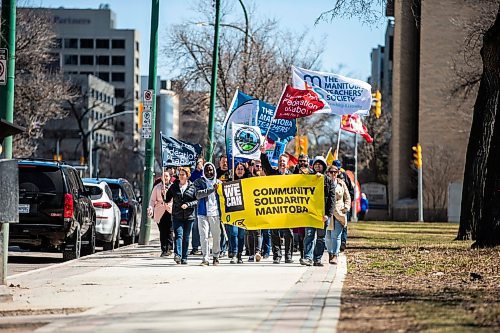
[[150, 143], [417, 161], [7, 40], [213, 86]]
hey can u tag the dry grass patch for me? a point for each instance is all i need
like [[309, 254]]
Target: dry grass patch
[[412, 277]]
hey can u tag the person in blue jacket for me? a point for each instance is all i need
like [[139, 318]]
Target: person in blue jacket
[[208, 212]]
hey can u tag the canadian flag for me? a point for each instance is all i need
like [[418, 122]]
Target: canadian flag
[[352, 123], [297, 103]]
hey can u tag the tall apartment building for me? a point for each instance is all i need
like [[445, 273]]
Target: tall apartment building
[[89, 43], [427, 49]]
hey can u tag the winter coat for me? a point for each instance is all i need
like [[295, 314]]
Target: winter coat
[[203, 189], [328, 186], [156, 202], [342, 203], [179, 198]]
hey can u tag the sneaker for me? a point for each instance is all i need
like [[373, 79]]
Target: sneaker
[[276, 261], [265, 256], [288, 261], [251, 259], [233, 260], [169, 253], [177, 259], [318, 263], [258, 257], [306, 262], [163, 254], [240, 260], [216, 262], [195, 252], [222, 254], [204, 263], [231, 255], [333, 261], [184, 262]]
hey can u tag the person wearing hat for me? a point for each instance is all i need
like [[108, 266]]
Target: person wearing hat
[[313, 251]]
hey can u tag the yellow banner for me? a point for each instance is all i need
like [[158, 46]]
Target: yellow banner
[[273, 202]]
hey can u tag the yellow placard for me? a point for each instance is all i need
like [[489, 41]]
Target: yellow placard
[[273, 202]]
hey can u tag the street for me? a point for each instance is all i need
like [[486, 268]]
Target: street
[[132, 289]]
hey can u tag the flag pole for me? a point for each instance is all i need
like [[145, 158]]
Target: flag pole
[[232, 148], [356, 194], [338, 138], [274, 115]]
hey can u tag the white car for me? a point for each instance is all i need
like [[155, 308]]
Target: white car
[[107, 213]]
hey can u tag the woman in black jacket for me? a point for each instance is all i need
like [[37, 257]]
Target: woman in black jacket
[[184, 202]]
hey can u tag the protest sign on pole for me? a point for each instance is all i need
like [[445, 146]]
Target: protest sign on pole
[[175, 153], [297, 103], [274, 203], [341, 94], [246, 141]]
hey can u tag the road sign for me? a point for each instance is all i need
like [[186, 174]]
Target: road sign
[[147, 99], [146, 119], [146, 133], [3, 66]]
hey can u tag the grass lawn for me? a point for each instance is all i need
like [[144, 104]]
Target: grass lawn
[[413, 277]]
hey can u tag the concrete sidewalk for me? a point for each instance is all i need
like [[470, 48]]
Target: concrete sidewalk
[[132, 289]]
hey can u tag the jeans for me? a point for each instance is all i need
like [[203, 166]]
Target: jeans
[[182, 230], [266, 242], [166, 232], [276, 243], [224, 242], [254, 242], [333, 238], [195, 237], [205, 224], [310, 243], [236, 239]]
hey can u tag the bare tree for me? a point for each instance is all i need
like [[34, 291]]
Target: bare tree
[[254, 57], [39, 87], [480, 213]]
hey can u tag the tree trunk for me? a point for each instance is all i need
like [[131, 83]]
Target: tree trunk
[[477, 211]]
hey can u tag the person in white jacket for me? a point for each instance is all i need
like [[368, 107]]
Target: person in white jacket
[[161, 213]]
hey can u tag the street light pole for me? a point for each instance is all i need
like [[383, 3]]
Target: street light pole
[[213, 86], [150, 143], [92, 129]]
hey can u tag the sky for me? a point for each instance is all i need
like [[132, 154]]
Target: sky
[[347, 43]]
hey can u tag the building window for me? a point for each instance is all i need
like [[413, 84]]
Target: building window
[[102, 60], [137, 46], [86, 43], [70, 59], [86, 60], [70, 43], [58, 43], [102, 43], [137, 62], [118, 60], [137, 79], [118, 44], [103, 76], [120, 93], [136, 94], [118, 77]]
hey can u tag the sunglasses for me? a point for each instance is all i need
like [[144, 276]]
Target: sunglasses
[[257, 166], [302, 161], [332, 171]]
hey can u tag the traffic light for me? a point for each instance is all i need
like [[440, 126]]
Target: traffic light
[[417, 155], [141, 109], [378, 104], [301, 144], [57, 157]]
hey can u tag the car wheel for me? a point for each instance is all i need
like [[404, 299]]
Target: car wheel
[[129, 239], [88, 241], [73, 245]]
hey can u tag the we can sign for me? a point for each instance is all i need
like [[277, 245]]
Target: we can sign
[[3, 66]]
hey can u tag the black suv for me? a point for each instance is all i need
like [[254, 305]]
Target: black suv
[[130, 208], [55, 212]]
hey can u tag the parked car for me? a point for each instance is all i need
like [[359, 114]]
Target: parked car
[[107, 213], [130, 208], [55, 212]]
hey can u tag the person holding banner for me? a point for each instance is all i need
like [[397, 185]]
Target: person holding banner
[[302, 167], [276, 233], [183, 194], [237, 235], [161, 213], [313, 257], [208, 212], [342, 206]]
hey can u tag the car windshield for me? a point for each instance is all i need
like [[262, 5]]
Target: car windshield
[[93, 190], [40, 179], [118, 193]]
